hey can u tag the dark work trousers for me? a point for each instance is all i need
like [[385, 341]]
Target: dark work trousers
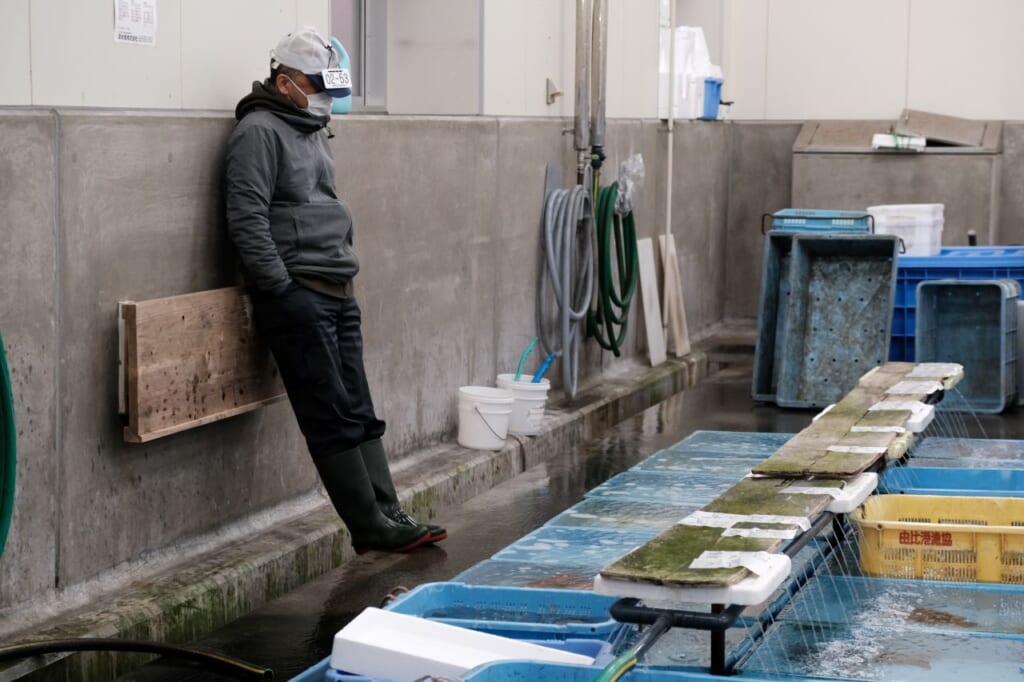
[[318, 346]]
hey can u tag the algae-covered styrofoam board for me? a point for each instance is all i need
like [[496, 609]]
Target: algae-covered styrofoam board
[[755, 515], [867, 409], [755, 588], [847, 439]]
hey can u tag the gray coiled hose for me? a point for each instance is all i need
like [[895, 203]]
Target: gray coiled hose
[[568, 227]]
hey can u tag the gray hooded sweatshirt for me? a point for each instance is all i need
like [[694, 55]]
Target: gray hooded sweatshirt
[[283, 213]]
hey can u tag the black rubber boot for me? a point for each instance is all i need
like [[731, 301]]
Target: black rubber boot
[[348, 485], [376, 462]]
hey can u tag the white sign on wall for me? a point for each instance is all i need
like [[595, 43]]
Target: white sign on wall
[[135, 22]]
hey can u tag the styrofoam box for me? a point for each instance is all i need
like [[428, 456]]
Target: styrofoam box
[[389, 645]]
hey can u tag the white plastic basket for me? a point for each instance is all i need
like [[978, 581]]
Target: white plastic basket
[[918, 225]]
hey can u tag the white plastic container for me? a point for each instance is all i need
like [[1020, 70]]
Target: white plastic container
[[484, 414], [530, 400], [395, 646], [918, 225]]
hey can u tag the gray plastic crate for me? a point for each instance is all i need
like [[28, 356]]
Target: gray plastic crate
[[974, 323], [775, 291], [838, 316]]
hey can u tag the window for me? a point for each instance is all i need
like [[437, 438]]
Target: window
[[361, 26]]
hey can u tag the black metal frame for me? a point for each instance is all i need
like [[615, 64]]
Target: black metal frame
[[721, 618]]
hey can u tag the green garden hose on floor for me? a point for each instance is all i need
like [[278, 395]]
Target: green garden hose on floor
[[8, 440], [615, 284]]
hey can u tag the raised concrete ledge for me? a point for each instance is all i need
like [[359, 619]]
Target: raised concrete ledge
[[203, 592]]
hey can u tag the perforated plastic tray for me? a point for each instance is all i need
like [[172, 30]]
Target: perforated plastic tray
[[838, 317]]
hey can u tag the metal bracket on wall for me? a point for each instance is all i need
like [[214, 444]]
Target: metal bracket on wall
[[552, 91]]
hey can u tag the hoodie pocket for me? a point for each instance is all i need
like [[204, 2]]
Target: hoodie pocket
[[284, 230]]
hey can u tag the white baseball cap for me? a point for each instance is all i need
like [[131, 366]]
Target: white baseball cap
[[306, 50]]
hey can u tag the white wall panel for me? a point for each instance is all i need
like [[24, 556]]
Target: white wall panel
[[314, 13], [633, 49], [517, 63], [14, 36], [709, 15], [434, 56], [836, 59], [744, 57], [75, 61], [967, 58], [218, 67]]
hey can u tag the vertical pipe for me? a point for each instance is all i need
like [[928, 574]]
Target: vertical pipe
[[599, 77], [581, 131], [671, 146]]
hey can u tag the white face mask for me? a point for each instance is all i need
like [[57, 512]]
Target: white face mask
[[319, 104]]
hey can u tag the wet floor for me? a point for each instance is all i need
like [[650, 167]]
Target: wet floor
[[295, 631]]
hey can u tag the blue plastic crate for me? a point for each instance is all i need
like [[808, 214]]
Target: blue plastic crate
[[515, 671], [679, 488], [608, 512], [674, 462], [583, 548], [814, 220], [974, 323], [518, 613], [499, 573], [968, 448], [964, 262], [732, 443], [953, 481]]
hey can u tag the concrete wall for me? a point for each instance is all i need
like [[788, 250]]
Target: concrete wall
[[28, 186], [760, 182], [1011, 202], [98, 207], [968, 184]]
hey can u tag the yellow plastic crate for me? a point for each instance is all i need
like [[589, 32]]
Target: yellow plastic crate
[[964, 539]]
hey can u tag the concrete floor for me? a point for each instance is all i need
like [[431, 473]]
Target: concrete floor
[[295, 631]]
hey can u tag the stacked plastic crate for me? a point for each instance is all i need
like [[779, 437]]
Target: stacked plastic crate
[[826, 294], [986, 275]]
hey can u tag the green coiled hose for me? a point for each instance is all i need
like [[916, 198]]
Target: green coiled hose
[[8, 441], [615, 284]]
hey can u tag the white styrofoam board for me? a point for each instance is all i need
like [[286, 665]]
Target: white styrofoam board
[[845, 499], [389, 645], [921, 414]]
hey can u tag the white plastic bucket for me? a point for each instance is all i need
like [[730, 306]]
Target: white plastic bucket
[[530, 399], [483, 417]]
